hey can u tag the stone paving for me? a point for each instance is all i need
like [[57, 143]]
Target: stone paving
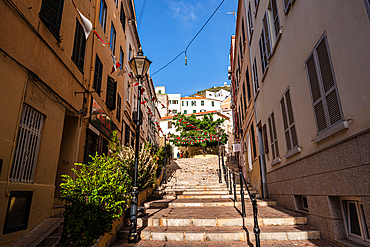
[[194, 209]]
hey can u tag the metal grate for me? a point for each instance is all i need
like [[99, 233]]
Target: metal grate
[[28, 143]]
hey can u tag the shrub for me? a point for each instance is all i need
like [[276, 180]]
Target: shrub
[[147, 167], [96, 198]]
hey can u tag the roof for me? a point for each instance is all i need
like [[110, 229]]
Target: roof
[[197, 114]]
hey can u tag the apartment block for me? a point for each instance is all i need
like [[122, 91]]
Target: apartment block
[[309, 73]]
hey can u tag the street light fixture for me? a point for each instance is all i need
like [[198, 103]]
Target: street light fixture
[[218, 152], [140, 65]]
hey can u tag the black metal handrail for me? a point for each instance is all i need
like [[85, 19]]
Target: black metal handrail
[[252, 196]]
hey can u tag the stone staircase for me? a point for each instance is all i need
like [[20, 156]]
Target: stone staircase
[[193, 209]]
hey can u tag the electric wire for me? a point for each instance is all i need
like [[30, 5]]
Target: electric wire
[[141, 14], [186, 49]]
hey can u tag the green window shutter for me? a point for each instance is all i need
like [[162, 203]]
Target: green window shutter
[[51, 12], [111, 93]]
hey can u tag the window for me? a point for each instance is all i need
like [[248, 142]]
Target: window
[[243, 31], [183, 103], [103, 14], [123, 18], [51, 15], [367, 6], [253, 142], [213, 103], [118, 111], [275, 18], [273, 137], [116, 1], [324, 92], [193, 103], [256, 2], [255, 77], [202, 102], [130, 53], [18, 211], [194, 111], [301, 202], [244, 98], [354, 219], [121, 57], [98, 72], [241, 48], [127, 135], [91, 145], [174, 111], [185, 112], [248, 85], [263, 53], [187, 103], [112, 38], [78, 55], [128, 93], [111, 94], [287, 5], [175, 102], [169, 124], [250, 23], [288, 120], [265, 142], [27, 149], [266, 30], [160, 91]]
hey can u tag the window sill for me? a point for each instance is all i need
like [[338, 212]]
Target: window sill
[[292, 152], [331, 132], [276, 161]]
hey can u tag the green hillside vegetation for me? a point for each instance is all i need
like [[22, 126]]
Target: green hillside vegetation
[[212, 89]]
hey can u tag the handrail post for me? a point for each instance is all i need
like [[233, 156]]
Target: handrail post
[[242, 192], [256, 229], [235, 199], [231, 188]]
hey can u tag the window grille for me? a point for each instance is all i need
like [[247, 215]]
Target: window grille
[[28, 144]]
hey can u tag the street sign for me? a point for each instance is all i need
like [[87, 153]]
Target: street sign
[[236, 147]]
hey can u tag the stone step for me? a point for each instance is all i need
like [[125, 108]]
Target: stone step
[[229, 233], [219, 216], [151, 243], [204, 196], [52, 239], [221, 202]]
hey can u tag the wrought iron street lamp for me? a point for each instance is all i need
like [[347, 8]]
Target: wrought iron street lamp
[[140, 65], [218, 152]]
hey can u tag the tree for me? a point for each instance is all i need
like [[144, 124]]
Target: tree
[[197, 132]]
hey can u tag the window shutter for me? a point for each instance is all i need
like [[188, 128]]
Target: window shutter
[[267, 35], [51, 11], [98, 75], [266, 145], [332, 101], [123, 18], [275, 15], [253, 141], [111, 93], [275, 135], [248, 85], [271, 139], [243, 31], [316, 94]]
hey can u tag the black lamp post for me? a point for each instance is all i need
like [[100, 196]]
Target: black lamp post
[[140, 65], [218, 152]]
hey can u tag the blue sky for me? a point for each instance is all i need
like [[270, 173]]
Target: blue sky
[[167, 27]]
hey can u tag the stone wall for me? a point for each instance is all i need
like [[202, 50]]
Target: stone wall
[[338, 172]]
